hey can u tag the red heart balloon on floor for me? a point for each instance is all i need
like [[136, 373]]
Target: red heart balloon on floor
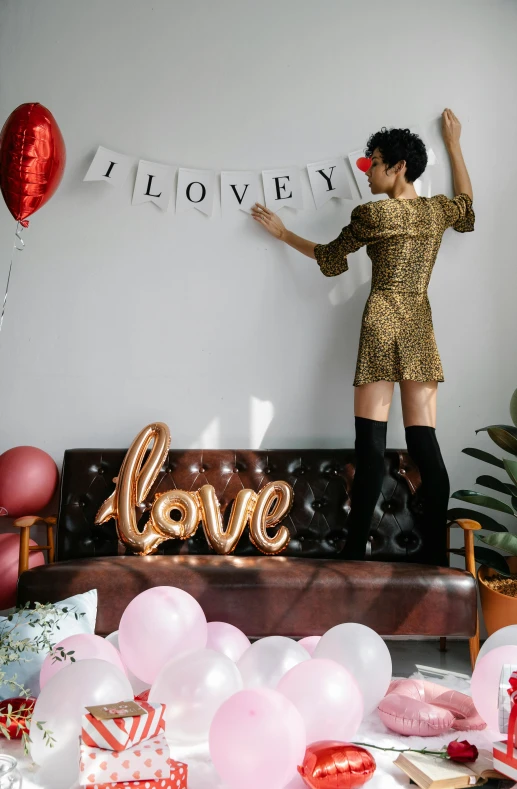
[[336, 765], [23, 708], [363, 163]]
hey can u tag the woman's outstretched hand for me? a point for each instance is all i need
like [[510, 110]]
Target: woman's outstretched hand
[[269, 220], [451, 128]]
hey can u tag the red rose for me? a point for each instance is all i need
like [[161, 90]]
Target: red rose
[[462, 751]]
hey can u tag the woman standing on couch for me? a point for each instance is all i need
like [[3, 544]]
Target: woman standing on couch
[[403, 234]]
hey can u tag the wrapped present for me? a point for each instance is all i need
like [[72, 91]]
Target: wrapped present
[[118, 734], [505, 752], [146, 761], [176, 780], [507, 687]]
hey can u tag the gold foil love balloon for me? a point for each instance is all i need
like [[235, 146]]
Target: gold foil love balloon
[[263, 510], [132, 486]]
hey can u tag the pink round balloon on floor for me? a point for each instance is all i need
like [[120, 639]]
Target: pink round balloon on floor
[[227, 639], [485, 682], [310, 643], [158, 625], [28, 479], [257, 739], [327, 697], [9, 557], [84, 647]]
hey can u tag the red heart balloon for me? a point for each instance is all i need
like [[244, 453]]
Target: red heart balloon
[[23, 708], [363, 163], [32, 159], [336, 765]]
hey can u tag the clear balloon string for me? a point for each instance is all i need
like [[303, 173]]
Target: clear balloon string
[[18, 245]]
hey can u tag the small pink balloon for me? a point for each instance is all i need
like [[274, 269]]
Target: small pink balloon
[[485, 682], [327, 697], [257, 739], [310, 643], [28, 479], [84, 646], [9, 556], [228, 639], [157, 626]]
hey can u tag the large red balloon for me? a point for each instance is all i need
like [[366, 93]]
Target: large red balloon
[[28, 479], [32, 159], [9, 555], [336, 765]]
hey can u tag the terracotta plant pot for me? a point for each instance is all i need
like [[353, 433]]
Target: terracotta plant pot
[[499, 610]]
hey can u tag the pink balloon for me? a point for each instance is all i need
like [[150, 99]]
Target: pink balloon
[[327, 697], [84, 646], [309, 643], [227, 639], [28, 479], [9, 555], [485, 682], [257, 739], [158, 625]]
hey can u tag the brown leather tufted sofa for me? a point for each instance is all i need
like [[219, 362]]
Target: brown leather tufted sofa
[[305, 590]]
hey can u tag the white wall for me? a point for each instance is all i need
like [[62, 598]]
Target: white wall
[[120, 315]]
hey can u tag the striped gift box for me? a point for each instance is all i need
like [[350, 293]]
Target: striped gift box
[[119, 734]]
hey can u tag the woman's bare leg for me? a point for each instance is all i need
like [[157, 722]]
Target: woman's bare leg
[[373, 400], [418, 400]]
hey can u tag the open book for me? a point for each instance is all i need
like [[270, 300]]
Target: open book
[[432, 772]]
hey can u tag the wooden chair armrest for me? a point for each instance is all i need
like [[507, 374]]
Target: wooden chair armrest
[[469, 527], [466, 524], [25, 524]]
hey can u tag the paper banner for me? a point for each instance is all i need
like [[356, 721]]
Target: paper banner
[[239, 191], [195, 190], [282, 187], [153, 184], [109, 166], [329, 179]]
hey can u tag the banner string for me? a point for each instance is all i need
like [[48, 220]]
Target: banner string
[[18, 245]]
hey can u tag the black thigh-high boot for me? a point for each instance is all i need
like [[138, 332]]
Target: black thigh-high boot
[[423, 447], [370, 444]]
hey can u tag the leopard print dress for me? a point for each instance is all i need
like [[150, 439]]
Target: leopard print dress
[[402, 238]]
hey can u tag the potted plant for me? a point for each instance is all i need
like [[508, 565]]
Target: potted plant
[[497, 574]]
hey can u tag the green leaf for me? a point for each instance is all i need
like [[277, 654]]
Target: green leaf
[[504, 542], [473, 497], [505, 436], [511, 467], [513, 408], [485, 520], [487, 557], [496, 484], [480, 454]]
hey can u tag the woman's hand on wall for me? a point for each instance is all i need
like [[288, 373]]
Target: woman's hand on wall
[[451, 129], [271, 221]]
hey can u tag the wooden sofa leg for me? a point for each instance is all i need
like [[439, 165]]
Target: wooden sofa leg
[[443, 644]]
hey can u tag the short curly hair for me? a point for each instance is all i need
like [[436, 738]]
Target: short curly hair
[[397, 144]]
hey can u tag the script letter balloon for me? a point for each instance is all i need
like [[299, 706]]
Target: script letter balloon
[[61, 704], [32, 159], [360, 650]]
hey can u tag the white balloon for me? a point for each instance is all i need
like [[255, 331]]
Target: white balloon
[[193, 686], [227, 639], [268, 659], [61, 706], [360, 650], [137, 684], [504, 637]]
